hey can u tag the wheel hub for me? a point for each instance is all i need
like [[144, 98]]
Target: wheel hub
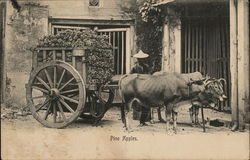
[[54, 93]]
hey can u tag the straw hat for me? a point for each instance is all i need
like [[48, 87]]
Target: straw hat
[[141, 54]]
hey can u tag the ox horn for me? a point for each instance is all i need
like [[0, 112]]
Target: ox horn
[[222, 79], [207, 81]]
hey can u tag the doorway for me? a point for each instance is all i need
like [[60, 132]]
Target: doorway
[[206, 47]]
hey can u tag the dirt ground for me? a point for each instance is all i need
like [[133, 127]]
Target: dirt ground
[[25, 138]]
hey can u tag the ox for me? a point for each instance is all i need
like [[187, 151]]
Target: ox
[[196, 102], [167, 90], [194, 110]]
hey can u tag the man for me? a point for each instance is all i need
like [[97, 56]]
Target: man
[[142, 68]]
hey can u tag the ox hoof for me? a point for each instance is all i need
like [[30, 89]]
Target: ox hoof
[[199, 124], [152, 121], [170, 132], [175, 131], [127, 130], [142, 124], [162, 120], [195, 125]]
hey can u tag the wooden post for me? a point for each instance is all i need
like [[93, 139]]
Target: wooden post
[[171, 44], [233, 62], [165, 48], [239, 61], [131, 47], [2, 50], [243, 60], [177, 34]]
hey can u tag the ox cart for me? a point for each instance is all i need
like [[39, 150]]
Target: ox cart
[[58, 91]]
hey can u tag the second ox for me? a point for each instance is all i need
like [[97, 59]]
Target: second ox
[[167, 90], [197, 101]]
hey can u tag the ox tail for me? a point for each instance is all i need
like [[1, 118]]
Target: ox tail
[[123, 99], [120, 87]]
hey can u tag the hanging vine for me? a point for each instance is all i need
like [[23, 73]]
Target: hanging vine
[[148, 25]]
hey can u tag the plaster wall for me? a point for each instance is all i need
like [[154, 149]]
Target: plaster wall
[[80, 9]]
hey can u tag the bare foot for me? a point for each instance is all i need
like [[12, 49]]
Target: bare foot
[[162, 120], [170, 132], [142, 124]]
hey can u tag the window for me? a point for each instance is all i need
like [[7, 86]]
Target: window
[[118, 38], [94, 3]]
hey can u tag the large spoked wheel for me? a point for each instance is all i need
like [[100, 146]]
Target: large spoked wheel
[[99, 102], [56, 94]]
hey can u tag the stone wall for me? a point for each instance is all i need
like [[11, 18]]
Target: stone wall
[[23, 30]]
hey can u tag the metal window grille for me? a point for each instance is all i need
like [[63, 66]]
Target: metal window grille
[[117, 38]]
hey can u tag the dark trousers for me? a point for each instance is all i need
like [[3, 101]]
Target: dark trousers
[[141, 113], [145, 115]]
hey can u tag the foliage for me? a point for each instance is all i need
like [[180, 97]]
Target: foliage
[[99, 56], [148, 24]]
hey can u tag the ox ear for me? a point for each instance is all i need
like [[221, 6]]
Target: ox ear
[[207, 76], [197, 82]]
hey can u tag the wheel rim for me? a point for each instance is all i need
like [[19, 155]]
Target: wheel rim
[[56, 94], [106, 95], [100, 101]]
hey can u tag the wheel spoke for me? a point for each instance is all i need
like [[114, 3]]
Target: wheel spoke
[[105, 91], [46, 101], [38, 97], [69, 91], [60, 80], [40, 89], [47, 112], [66, 83], [55, 77], [66, 105], [69, 99], [48, 78], [61, 111], [44, 83], [54, 113]]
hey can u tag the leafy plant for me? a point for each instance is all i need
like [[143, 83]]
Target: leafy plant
[[148, 25], [99, 55]]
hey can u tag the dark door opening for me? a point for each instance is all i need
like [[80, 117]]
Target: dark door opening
[[205, 48]]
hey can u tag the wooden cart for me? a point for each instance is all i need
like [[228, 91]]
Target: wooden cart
[[58, 91]]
